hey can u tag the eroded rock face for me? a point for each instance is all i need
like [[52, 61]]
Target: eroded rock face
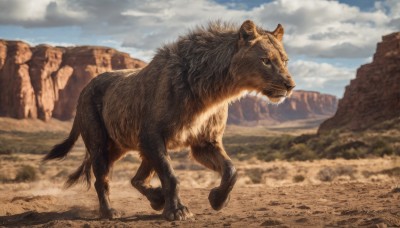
[[120, 60], [17, 98], [249, 109], [301, 105], [46, 81], [45, 61], [3, 53], [305, 104], [374, 95], [87, 63]]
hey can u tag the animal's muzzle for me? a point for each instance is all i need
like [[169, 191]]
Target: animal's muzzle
[[290, 86]]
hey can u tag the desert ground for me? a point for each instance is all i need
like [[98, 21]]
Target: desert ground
[[321, 193]]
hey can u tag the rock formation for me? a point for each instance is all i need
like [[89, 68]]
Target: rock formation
[[45, 81], [301, 105], [17, 97], [374, 95], [45, 61]]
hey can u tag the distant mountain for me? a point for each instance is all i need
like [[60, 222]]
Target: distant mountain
[[45, 81], [301, 105], [374, 95]]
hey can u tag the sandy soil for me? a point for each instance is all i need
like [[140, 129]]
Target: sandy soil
[[283, 194]]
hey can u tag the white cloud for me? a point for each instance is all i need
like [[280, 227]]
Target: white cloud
[[318, 28], [20, 10], [392, 7], [326, 29], [39, 13], [320, 76]]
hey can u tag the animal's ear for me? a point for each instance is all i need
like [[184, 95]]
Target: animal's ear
[[278, 32], [247, 31]]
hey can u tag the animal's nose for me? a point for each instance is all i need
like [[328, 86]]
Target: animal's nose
[[290, 86]]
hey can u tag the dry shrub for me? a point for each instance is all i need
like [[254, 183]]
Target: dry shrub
[[26, 173], [298, 178], [329, 174], [326, 174], [345, 170], [382, 147], [367, 173], [277, 173], [301, 152], [393, 172], [4, 178]]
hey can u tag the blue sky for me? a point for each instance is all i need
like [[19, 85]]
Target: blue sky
[[326, 40]]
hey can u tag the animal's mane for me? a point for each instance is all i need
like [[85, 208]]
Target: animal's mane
[[201, 58], [203, 55]]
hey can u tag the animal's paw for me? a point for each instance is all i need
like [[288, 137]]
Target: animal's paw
[[180, 213], [109, 213], [218, 199], [156, 198]]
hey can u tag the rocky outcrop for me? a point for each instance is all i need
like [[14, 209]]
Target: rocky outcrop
[[249, 109], [45, 61], [3, 53], [374, 95], [17, 97], [301, 105], [45, 81]]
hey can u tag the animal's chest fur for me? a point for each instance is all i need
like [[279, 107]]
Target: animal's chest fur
[[191, 131]]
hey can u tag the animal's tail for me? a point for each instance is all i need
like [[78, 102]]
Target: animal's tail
[[82, 172], [61, 150]]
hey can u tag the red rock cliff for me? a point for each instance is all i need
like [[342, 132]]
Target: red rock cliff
[[45, 81], [374, 95], [17, 97], [301, 105]]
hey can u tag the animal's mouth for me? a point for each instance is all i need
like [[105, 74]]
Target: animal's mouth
[[275, 93], [276, 96]]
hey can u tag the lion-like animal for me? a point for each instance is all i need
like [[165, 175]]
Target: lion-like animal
[[180, 99]]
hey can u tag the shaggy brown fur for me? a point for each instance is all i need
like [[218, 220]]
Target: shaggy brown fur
[[179, 100]]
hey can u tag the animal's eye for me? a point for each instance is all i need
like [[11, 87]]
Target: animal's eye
[[266, 61], [285, 62]]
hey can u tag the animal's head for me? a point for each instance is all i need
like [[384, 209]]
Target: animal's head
[[261, 62]]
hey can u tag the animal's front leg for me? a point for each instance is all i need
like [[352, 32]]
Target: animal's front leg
[[213, 156], [153, 149]]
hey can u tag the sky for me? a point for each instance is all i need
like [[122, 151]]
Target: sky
[[326, 40]]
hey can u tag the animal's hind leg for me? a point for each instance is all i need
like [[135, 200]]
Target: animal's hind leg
[[97, 143], [141, 181], [101, 170], [213, 156]]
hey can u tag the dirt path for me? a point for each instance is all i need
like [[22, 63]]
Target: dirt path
[[283, 194], [352, 204]]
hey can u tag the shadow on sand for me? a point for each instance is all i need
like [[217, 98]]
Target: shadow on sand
[[30, 218]]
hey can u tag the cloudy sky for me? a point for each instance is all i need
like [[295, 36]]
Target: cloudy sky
[[326, 40]]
